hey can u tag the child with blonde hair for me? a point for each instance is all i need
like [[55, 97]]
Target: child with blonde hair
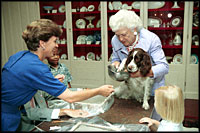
[[169, 104]]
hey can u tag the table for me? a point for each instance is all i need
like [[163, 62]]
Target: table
[[121, 112]]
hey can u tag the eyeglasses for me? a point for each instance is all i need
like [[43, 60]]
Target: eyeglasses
[[123, 35]]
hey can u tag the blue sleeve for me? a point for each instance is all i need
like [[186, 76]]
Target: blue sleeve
[[45, 81], [160, 66]]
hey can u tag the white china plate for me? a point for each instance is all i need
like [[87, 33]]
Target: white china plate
[[125, 6], [90, 56], [91, 8], [154, 22], [63, 56], [61, 9], [98, 25], [178, 59], [83, 9], [194, 59], [90, 38], [82, 57], [151, 5], [80, 23], [176, 21], [110, 6], [64, 24], [195, 38], [117, 5], [82, 39]]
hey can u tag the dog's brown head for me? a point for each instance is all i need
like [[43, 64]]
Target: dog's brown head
[[138, 59]]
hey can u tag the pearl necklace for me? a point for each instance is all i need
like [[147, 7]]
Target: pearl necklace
[[130, 48]]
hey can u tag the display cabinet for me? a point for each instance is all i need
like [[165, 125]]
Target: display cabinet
[[56, 12], [86, 25]]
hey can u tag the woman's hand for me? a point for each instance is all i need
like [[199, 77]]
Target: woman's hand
[[106, 90], [73, 113], [60, 77], [116, 64], [146, 120]]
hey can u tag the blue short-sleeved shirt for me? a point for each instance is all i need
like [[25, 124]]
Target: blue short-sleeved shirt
[[61, 69], [22, 76]]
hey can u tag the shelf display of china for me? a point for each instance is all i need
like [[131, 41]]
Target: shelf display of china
[[86, 26], [166, 19], [112, 8], [55, 11]]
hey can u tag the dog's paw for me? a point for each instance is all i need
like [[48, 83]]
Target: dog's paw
[[121, 66], [145, 106]]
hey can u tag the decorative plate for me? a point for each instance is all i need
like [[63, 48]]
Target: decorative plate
[[110, 6], [178, 59], [90, 56], [63, 56], [195, 38], [83, 9], [61, 8], [64, 24], [98, 25], [90, 38], [154, 22], [176, 21], [80, 23], [91, 8], [151, 5], [82, 57], [194, 59], [125, 6], [117, 5], [82, 39]]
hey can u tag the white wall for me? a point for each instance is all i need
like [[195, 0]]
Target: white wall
[[15, 16]]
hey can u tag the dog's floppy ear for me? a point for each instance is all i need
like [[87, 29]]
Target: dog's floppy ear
[[129, 58], [145, 64]]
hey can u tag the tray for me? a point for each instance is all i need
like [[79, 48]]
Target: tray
[[94, 105]]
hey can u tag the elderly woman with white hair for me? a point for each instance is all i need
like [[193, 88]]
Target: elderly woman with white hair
[[129, 34]]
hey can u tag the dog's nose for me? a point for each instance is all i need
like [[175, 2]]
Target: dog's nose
[[130, 68]]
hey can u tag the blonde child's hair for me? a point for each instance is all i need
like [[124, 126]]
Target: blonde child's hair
[[169, 103]]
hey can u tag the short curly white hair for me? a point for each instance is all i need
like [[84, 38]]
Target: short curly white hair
[[125, 18]]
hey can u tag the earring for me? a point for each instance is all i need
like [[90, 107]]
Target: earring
[[135, 33]]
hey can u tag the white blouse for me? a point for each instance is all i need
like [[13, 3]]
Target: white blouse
[[170, 126]]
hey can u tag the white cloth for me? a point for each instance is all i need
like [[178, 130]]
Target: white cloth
[[170, 126], [55, 114]]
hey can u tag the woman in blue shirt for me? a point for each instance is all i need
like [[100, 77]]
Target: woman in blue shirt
[[129, 34], [25, 73]]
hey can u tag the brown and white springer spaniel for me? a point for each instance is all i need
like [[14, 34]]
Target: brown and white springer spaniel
[[136, 88]]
